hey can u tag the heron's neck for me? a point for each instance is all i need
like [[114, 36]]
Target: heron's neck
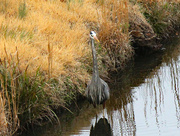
[[95, 66]]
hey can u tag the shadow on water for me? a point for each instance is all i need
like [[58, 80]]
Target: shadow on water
[[145, 100]]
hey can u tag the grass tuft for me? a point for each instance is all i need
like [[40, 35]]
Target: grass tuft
[[22, 10]]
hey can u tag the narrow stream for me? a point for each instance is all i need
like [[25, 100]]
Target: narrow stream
[[145, 101]]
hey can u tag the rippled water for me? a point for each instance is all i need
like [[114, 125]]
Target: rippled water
[[145, 101]]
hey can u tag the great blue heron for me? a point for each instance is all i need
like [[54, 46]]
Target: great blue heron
[[97, 91]]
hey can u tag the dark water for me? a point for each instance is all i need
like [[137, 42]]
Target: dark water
[[145, 101]]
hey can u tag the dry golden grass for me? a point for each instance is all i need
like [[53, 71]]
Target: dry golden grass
[[64, 25]]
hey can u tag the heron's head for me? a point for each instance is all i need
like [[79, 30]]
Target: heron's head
[[93, 36]]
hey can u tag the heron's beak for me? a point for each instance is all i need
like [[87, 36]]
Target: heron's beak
[[95, 37]]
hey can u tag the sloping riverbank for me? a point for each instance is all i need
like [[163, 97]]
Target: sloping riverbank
[[45, 59]]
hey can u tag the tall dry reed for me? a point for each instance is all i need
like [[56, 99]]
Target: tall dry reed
[[9, 97]]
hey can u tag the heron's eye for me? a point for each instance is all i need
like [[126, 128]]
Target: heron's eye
[[91, 33]]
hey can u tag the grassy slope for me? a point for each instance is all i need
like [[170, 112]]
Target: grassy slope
[[25, 32], [65, 29], [45, 56]]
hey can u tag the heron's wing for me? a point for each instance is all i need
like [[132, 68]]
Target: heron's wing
[[89, 93], [106, 89], [97, 94]]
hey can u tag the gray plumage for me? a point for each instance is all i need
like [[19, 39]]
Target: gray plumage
[[97, 91]]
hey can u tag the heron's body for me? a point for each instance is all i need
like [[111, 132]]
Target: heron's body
[[97, 91]]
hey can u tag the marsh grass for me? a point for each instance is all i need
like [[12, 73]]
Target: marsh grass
[[162, 15], [114, 32], [28, 99]]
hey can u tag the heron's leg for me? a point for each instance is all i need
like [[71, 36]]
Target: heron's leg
[[96, 117], [104, 104]]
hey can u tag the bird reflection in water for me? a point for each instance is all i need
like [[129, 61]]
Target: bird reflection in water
[[101, 128]]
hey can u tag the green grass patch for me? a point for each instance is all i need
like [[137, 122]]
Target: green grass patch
[[15, 33], [162, 16], [22, 10]]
